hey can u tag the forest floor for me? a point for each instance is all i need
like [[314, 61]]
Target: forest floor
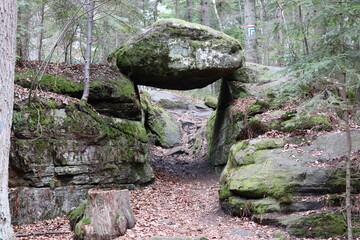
[[183, 201]]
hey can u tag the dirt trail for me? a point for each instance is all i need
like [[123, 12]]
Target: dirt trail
[[183, 201]]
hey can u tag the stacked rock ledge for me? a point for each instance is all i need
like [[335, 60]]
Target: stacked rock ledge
[[59, 151]]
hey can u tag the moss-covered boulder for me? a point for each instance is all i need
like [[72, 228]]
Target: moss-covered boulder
[[211, 102], [257, 108], [261, 169], [301, 123], [161, 125], [170, 104], [320, 225], [117, 97], [238, 206], [60, 145], [175, 54]]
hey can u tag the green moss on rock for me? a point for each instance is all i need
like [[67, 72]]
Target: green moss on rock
[[337, 182], [77, 214], [257, 108], [161, 125], [318, 122], [247, 207], [321, 225], [79, 232], [211, 102]]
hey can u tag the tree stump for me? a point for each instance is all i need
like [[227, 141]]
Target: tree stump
[[107, 215]]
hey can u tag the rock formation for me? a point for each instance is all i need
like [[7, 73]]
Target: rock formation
[[175, 54], [61, 150]]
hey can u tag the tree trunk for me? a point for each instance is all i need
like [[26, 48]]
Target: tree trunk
[[155, 12], [250, 32], [189, 10], [279, 38], [217, 16], [23, 32], [305, 40], [90, 20], [41, 37], [177, 10], [7, 65], [205, 13], [348, 161], [267, 31]]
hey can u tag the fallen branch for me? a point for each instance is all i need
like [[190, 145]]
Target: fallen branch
[[40, 233]]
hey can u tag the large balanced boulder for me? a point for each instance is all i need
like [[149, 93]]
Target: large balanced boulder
[[175, 54], [59, 148]]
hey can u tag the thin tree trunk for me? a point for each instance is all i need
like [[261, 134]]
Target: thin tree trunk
[[7, 65], [217, 16], [250, 32], [279, 38], [348, 161], [290, 46], [305, 41], [177, 10], [189, 10], [348, 141], [155, 12], [90, 20], [143, 12], [266, 32], [205, 13], [41, 37]]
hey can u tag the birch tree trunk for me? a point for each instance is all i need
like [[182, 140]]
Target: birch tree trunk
[[90, 19], [205, 13], [7, 65], [217, 16], [250, 32], [189, 10]]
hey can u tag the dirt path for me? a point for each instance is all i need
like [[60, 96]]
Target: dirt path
[[184, 199]]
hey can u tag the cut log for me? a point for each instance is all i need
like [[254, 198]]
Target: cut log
[[107, 215]]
